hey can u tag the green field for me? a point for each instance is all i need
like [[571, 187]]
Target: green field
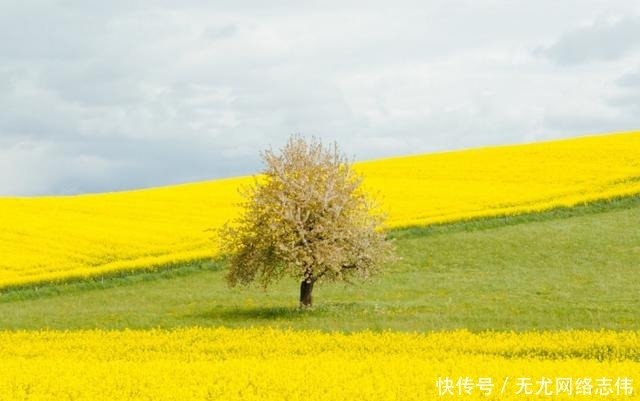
[[564, 269]]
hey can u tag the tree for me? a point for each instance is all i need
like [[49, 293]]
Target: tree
[[307, 216]]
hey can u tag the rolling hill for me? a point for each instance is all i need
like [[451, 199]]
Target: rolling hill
[[46, 239]]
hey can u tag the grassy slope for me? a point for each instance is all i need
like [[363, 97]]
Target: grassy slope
[[574, 268]]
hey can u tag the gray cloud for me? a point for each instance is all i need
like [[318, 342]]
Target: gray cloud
[[630, 79], [599, 41], [626, 99], [630, 101], [102, 96]]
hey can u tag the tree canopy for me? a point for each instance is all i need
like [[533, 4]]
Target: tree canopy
[[307, 216]]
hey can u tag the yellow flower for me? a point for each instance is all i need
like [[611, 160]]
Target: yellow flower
[[53, 238], [265, 364]]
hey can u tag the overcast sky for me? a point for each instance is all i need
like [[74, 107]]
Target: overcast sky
[[112, 95]]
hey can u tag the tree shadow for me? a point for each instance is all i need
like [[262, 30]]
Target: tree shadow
[[251, 313], [243, 313]]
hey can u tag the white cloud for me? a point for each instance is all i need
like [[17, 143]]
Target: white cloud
[[100, 96]]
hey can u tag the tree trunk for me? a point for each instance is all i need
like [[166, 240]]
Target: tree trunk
[[306, 287]]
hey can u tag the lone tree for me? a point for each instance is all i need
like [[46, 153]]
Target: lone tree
[[308, 217]]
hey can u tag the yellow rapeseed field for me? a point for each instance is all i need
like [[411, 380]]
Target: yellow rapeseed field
[[265, 364], [54, 238]]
